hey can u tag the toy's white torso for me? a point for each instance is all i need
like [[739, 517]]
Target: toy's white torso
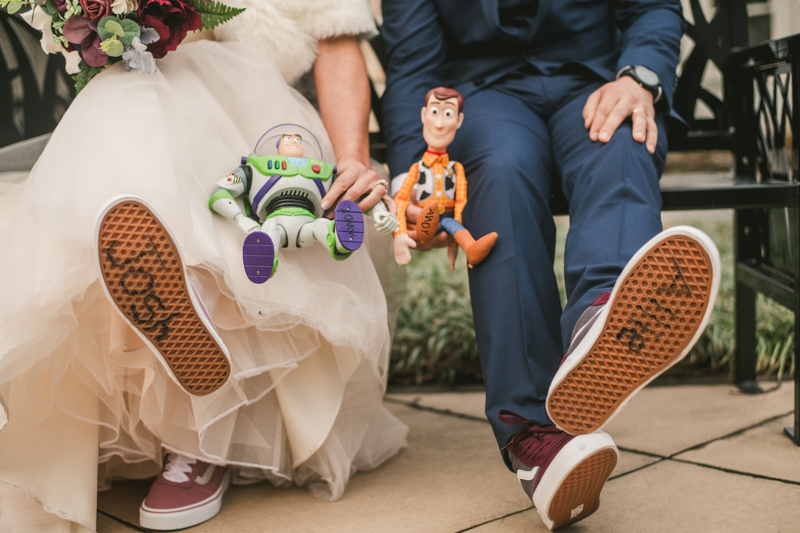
[[293, 181]]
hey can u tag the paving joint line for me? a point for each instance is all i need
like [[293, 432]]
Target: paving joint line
[[638, 469], [446, 412], [640, 452], [471, 528], [732, 434], [137, 527], [731, 471], [660, 458]]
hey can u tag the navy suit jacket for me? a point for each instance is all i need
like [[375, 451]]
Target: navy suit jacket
[[469, 44]]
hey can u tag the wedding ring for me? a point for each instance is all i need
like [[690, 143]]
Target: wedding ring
[[384, 183], [637, 109]]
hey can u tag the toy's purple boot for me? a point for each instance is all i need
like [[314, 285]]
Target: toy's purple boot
[[349, 225], [258, 255]]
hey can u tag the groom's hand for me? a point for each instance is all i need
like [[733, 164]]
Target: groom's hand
[[615, 101]]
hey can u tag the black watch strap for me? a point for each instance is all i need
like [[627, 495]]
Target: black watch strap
[[645, 77]]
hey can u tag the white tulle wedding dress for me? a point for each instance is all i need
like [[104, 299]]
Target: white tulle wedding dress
[[310, 347]]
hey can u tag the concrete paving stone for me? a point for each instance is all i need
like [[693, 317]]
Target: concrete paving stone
[[659, 420], [450, 478], [124, 498], [675, 497], [463, 403], [668, 420], [629, 461], [764, 450], [471, 404], [109, 525]]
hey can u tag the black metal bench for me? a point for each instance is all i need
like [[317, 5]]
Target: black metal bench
[[35, 90], [761, 87], [752, 120]]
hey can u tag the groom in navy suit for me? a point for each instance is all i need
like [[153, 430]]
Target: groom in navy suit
[[558, 93]]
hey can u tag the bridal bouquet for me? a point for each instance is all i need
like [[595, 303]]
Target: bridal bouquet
[[93, 34]]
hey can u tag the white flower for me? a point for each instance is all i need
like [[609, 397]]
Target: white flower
[[149, 35], [73, 61], [124, 6], [137, 56], [43, 22], [37, 18]]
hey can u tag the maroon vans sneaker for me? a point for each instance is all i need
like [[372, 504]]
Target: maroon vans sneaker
[[143, 273], [657, 310], [562, 474], [185, 493]]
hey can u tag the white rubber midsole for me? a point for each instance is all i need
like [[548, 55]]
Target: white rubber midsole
[[178, 519], [580, 352], [568, 458]]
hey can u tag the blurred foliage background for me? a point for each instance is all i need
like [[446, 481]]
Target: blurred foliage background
[[435, 340]]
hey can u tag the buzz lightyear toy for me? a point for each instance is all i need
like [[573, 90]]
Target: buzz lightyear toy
[[282, 195]]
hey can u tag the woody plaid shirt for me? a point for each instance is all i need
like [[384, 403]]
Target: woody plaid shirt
[[438, 164]]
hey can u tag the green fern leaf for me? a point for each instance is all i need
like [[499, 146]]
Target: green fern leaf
[[214, 13]]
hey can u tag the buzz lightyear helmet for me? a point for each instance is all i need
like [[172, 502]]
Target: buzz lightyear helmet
[[268, 143]]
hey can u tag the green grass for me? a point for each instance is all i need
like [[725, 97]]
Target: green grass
[[435, 338]]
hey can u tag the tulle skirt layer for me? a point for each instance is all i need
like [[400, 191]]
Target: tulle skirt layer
[[309, 348]]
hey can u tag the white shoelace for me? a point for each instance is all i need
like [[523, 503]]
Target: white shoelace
[[177, 467]]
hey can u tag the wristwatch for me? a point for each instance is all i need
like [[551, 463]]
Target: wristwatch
[[644, 77]]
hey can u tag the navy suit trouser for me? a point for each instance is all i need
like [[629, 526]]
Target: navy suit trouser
[[520, 137]]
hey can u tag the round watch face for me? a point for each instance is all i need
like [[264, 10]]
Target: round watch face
[[647, 76]]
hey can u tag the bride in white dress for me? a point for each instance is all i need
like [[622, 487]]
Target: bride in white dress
[[80, 401]]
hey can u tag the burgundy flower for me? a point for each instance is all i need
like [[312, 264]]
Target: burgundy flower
[[82, 33], [172, 19], [96, 9], [61, 5]]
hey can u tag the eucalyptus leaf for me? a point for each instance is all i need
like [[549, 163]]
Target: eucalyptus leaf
[[131, 30], [49, 7], [13, 7], [112, 47], [107, 33], [115, 27]]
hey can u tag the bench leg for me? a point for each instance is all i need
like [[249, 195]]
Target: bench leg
[[745, 367], [794, 431]]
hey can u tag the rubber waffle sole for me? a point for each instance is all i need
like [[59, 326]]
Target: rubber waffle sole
[[144, 276], [654, 317], [349, 225], [578, 496]]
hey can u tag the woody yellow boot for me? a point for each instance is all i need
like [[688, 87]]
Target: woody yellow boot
[[428, 221], [476, 250]]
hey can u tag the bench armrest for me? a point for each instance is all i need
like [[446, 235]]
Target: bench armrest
[[764, 84]]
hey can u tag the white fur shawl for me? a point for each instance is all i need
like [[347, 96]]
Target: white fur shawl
[[288, 30]]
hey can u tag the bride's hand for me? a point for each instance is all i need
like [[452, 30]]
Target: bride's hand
[[353, 182]]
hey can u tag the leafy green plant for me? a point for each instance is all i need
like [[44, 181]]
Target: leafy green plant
[[435, 339], [435, 336]]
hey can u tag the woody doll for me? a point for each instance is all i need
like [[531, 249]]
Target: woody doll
[[438, 185]]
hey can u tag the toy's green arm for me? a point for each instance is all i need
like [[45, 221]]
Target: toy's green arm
[[234, 184]]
